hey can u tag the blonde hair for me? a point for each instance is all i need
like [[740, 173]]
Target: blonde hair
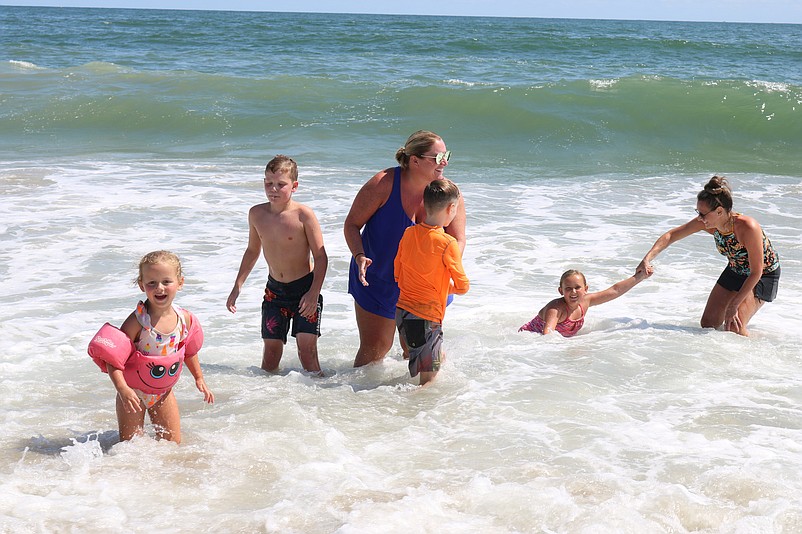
[[417, 143], [283, 164], [572, 272], [160, 256]]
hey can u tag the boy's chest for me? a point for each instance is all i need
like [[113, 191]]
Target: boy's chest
[[282, 229]]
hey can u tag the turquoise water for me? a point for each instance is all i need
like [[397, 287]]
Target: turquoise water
[[570, 96], [575, 145]]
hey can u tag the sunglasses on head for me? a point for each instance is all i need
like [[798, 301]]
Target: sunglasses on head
[[439, 157]]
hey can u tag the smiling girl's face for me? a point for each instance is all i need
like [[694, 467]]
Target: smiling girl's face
[[160, 282], [573, 288]]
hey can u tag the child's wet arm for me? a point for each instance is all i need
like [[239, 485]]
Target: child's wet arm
[[117, 377], [321, 265], [614, 291], [193, 364], [314, 238], [249, 257], [552, 317], [457, 227], [459, 280], [459, 284]]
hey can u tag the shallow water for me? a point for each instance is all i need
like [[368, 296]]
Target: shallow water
[[643, 422], [576, 144]]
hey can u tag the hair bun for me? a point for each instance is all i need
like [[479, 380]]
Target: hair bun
[[717, 185]]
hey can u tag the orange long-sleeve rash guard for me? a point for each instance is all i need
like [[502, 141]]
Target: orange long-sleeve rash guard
[[427, 260]]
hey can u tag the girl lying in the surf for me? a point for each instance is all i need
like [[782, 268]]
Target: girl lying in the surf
[[566, 315]]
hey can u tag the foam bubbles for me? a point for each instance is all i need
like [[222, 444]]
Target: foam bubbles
[[642, 422]]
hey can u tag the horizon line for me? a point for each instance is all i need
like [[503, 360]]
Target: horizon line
[[371, 13]]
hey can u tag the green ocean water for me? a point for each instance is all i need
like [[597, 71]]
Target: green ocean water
[[575, 145], [554, 96]]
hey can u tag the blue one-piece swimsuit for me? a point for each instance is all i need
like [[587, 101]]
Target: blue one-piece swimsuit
[[380, 238]]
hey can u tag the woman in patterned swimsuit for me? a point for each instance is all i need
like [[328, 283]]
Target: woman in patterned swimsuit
[[752, 274]]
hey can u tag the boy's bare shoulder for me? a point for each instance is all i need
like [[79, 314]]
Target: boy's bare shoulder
[[293, 210], [260, 208], [305, 210]]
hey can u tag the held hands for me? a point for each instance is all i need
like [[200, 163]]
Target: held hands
[[643, 270], [641, 275], [362, 262]]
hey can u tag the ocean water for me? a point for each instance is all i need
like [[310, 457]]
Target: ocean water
[[575, 143]]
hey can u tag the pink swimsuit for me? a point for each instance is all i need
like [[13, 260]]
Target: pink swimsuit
[[154, 369], [567, 328], [153, 365]]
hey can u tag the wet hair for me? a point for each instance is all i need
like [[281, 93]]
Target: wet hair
[[439, 194], [282, 164], [572, 272], [160, 256], [417, 144], [716, 193]]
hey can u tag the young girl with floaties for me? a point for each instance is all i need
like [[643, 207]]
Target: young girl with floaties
[[144, 357]]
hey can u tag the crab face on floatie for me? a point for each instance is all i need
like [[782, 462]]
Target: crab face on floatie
[[158, 372], [153, 374]]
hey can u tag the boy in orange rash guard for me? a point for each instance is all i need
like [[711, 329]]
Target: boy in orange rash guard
[[428, 266]]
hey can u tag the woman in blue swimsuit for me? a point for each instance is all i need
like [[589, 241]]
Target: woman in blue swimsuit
[[752, 274], [384, 207]]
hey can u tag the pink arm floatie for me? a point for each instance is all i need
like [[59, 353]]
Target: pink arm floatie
[[194, 340], [110, 345]]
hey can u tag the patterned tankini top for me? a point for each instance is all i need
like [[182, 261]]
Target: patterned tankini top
[[729, 246]]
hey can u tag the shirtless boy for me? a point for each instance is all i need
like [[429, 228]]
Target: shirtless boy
[[289, 236]]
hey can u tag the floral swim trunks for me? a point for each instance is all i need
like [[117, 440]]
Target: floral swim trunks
[[280, 309]]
